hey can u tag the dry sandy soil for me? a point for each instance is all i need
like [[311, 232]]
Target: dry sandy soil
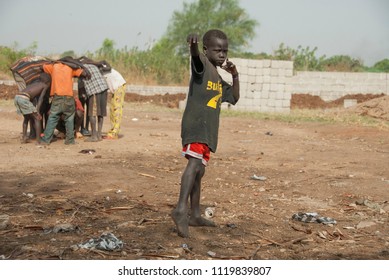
[[54, 198]]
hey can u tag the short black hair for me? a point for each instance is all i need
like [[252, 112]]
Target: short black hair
[[213, 33]]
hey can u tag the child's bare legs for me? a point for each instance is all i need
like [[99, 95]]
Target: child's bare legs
[[195, 215], [32, 128], [93, 138], [100, 128], [190, 186], [26, 119], [38, 126]]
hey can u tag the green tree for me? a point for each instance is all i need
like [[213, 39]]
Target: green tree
[[107, 50], [69, 53], [304, 59], [202, 15], [342, 63], [381, 66]]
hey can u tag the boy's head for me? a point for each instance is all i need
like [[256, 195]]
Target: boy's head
[[45, 78], [215, 46]]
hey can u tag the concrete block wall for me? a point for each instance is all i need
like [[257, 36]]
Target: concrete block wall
[[264, 85], [333, 85]]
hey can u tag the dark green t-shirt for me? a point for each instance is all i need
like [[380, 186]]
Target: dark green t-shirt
[[207, 90]]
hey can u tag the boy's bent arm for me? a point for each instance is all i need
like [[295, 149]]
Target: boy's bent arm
[[231, 68], [235, 87], [40, 100]]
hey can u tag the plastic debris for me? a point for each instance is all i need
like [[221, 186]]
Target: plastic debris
[[312, 217], [29, 195], [64, 228], [211, 254], [87, 151], [107, 241], [231, 225], [209, 212], [259, 178]]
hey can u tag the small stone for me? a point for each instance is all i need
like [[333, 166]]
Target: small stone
[[365, 224]]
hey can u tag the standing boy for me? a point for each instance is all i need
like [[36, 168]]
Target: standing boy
[[96, 88], [117, 86], [63, 98], [200, 122], [23, 102]]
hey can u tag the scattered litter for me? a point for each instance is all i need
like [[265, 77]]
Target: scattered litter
[[87, 151], [269, 133], [135, 119], [209, 212], [118, 191], [312, 218], [107, 241], [259, 178], [211, 254], [231, 225], [147, 175], [64, 228], [186, 248], [30, 195]]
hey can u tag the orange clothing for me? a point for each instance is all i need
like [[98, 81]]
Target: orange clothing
[[61, 78]]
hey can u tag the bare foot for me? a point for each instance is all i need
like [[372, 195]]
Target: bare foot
[[201, 222], [181, 221]]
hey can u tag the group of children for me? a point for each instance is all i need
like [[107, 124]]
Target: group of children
[[46, 96], [200, 122]]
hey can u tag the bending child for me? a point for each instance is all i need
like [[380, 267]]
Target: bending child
[[23, 102], [200, 122]]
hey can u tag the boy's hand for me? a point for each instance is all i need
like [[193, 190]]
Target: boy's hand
[[192, 39], [230, 68]]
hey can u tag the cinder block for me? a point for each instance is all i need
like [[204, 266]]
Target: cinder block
[[259, 79], [266, 87], [243, 78], [274, 72], [251, 79], [259, 71], [265, 94], [252, 71], [279, 95], [266, 79], [266, 63]]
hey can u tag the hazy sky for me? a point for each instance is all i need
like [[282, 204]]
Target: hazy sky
[[359, 28]]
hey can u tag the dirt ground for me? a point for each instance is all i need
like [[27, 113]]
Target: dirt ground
[[54, 198]]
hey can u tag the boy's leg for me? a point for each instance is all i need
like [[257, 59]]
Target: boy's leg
[[38, 126], [195, 217], [91, 119], [100, 127], [26, 119], [116, 111], [93, 138], [68, 113], [55, 113], [180, 213], [32, 128]]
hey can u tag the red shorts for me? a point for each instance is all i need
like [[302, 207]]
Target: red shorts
[[197, 150]]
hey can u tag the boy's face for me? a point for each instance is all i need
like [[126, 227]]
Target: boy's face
[[216, 51]]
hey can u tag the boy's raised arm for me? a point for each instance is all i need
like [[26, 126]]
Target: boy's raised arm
[[193, 41]]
